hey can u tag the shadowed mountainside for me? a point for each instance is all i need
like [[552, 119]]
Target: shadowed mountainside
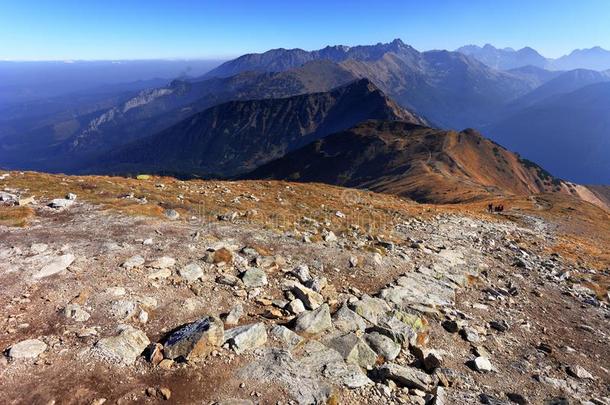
[[240, 135]]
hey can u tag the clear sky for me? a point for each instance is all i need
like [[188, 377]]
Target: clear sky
[[144, 29]]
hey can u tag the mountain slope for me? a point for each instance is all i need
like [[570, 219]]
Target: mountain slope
[[567, 133], [448, 88], [595, 58], [425, 164], [506, 58], [534, 75], [565, 82], [240, 135]]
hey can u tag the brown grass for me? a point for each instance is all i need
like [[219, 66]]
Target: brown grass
[[16, 216], [583, 228]]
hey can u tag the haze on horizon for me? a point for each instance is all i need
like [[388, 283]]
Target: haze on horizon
[[115, 30]]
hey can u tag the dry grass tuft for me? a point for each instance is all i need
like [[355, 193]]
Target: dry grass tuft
[[16, 216]]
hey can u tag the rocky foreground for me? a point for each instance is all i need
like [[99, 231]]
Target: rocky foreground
[[437, 306]]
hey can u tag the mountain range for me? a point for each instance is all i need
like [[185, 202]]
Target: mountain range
[[448, 88], [505, 58], [288, 97], [595, 58]]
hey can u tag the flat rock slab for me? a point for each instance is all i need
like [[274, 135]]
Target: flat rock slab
[[27, 349], [415, 290], [253, 278], [191, 272], [124, 348], [405, 376], [308, 374], [55, 266]]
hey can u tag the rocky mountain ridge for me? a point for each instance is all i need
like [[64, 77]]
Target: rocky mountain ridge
[[424, 164]]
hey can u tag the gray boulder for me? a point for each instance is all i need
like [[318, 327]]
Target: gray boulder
[[354, 350], [195, 339], [253, 278], [392, 327], [314, 322], [347, 320], [370, 308], [191, 272], [409, 377], [301, 272], [286, 336], [383, 345], [246, 337], [123, 348]]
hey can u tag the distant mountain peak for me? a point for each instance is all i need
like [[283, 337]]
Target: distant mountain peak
[[506, 58], [277, 60]]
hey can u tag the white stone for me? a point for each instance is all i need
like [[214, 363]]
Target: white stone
[[296, 306], [27, 349], [191, 272], [61, 203], [134, 261], [161, 274], [75, 312], [482, 364], [163, 262], [55, 266], [38, 248]]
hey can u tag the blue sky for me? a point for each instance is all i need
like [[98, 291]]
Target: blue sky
[[136, 29]]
